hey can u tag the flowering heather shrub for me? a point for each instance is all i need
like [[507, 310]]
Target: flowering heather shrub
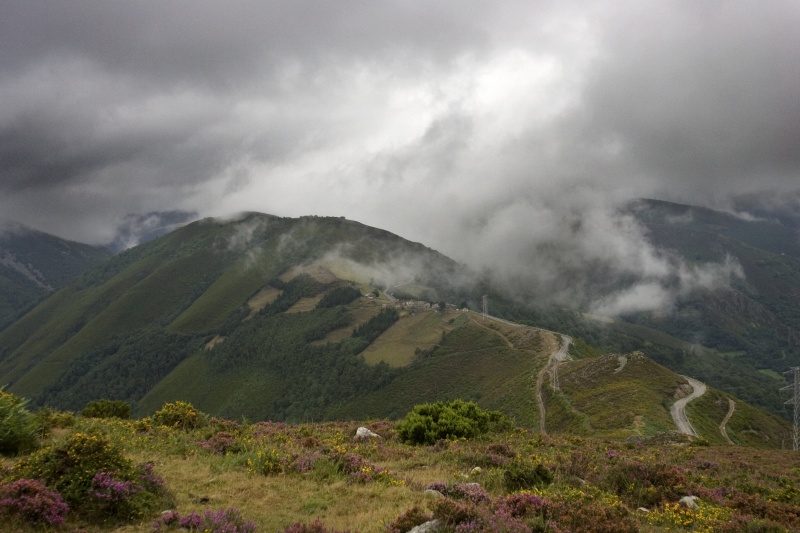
[[501, 448], [471, 492], [71, 466], [33, 502], [95, 478], [305, 463], [178, 415], [314, 527], [408, 520], [590, 517], [117, 496], [265, 430], [227, 521], [520, 504], [748, 524], [646, 484], [783, 513], [579, 463], [453, 512], [221, 443], [19, 431], [498, 522]]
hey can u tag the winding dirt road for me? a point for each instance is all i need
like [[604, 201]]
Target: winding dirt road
[[728, 415], [678, 409], [558, 356]]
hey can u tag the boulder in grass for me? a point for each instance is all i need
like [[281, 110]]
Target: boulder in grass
[[690, 502], [363, 433], [427, 527]]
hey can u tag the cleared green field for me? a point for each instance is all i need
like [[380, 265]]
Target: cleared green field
[[361, 311], [263, 298], [398, 345], [304, 305]]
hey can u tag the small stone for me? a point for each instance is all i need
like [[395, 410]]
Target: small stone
[[428, 527], [433, 494], [363, 433], [476, 471], [690, 502], [642, 510]]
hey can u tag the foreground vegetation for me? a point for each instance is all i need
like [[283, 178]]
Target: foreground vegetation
[[182, 469]]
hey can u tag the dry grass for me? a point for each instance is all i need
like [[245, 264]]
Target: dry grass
[[263, 298], [217, 339], [304, 305], [200, 480], [206, 482]]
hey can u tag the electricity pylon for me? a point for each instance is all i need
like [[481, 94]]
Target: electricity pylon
[[795, 400]]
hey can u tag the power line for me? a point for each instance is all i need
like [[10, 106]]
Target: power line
[[795, 400]]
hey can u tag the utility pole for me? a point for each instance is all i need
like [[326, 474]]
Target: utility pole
[[485, 302], [795, 400]]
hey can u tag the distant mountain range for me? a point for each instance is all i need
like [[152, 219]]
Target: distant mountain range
[[34, 264], [278, 318]]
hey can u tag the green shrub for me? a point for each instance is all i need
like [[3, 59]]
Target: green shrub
[[430, 422], [179, 415], [95, 478], [524, 474], [19, 431], [107, 409], [48, 419], [70, 467]]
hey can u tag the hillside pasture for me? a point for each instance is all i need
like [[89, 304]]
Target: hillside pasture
[[619, 399], [264, 297], [398, 346], [304, 305], [361, 311]]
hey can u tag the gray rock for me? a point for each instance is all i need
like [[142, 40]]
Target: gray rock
[[428, 527], [433, 494], [363, 433], [690, 502]]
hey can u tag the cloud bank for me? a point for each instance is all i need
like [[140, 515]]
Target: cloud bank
[[495, 134]]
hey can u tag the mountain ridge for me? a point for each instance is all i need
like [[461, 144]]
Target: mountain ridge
[[228, 314]]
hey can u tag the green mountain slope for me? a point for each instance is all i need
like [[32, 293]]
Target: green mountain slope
[[34, 264], [119, 330], [276, 318], [751, 327]]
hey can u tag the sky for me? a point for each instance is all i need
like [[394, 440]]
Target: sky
[[486, 130]]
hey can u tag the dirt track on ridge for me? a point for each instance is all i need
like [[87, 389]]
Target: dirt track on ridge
[[678, 409]]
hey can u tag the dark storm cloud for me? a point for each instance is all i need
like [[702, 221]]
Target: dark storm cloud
[[514, 129], [704, 99]]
